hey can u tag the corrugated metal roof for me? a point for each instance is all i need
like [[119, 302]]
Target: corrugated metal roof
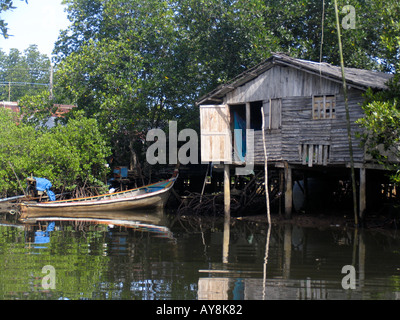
[[359, 78]]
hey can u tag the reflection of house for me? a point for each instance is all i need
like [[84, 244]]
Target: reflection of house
[[304, 117], [231, 288], [213, 288]]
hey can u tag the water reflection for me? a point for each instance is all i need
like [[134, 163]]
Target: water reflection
[[307, 263], [161, 257], [42, 237]]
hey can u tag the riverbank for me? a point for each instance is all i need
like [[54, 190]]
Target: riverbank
[[303, 220], [324, 221], [321, 221]]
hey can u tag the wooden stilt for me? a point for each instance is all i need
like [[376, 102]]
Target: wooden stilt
[[288, 192], [361, 259], [287, 249], [281, 186], [227, 191], [227, 213], [226, 239], [363, 196], [306, 193]]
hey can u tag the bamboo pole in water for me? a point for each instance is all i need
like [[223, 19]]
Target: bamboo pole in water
[[265, 168], [353, 179], [266, 261], [227, 213], [227, 191]]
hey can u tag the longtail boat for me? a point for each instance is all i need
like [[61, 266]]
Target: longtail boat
[[149, 197]]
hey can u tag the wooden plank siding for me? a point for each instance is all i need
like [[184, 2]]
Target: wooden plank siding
[[340, 150], [279, 82], [327, 137], [274, 147]]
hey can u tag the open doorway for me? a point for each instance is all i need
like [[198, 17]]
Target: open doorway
[[244, 116], [238, 121]]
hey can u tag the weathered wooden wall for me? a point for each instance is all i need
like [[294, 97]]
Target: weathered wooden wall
[[279, 82], [299, 132]]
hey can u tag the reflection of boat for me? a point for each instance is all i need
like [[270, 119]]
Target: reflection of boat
[[155, 217], [151, 196], [147, 221]]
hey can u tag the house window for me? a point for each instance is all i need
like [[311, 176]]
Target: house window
[[324, 107], [255, 115]]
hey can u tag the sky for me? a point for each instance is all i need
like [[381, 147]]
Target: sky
[[38, 22]]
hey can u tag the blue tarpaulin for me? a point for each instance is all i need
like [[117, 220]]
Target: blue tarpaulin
[[43, 184], [240, 136]]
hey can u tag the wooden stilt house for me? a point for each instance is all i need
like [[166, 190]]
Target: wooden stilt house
[[304, 117]]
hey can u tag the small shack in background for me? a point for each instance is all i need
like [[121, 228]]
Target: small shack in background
[[10, 105], [60, 111], [304, 121]]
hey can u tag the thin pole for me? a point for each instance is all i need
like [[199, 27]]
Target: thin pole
[[266, 167], [204, 183], [51, 82], [227, 192], [227, 213], [266, 261], [346, 103]]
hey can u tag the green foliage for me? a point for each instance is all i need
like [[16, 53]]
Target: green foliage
[[22, 74], [15, 148], [70, 156], [381, 124], [37, 109], [388, 21], [165, 54]]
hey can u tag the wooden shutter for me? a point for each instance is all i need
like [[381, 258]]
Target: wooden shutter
[[275, 113], [215, 133]]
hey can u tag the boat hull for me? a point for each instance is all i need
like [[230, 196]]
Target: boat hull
[[137, 199]]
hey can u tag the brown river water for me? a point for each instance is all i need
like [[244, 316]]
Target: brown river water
[[156, 257]]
